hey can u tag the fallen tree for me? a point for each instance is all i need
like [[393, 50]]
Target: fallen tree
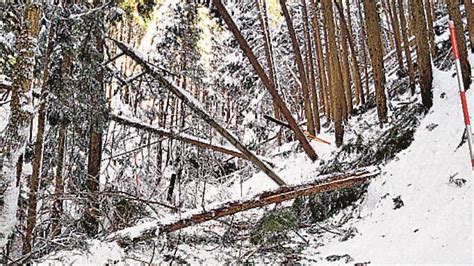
[[330, 183], [196, 106], [181, 137]]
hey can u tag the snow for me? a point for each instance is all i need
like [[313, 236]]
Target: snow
[[435, 223], [98, 253], [433, 226]]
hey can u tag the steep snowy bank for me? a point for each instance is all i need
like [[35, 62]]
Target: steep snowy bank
[[434, 225]]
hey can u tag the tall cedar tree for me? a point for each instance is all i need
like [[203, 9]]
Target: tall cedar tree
[[37, 160], [91, 215], [321, 66], [406, 45], [337, 91], [346, 76], [301, 70], [310, 70], [17, 128], [375, 43], [422, 52]]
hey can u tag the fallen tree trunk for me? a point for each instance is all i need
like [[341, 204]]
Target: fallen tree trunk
[[192, 103], [331, 183], [176, 136], [283, 124]]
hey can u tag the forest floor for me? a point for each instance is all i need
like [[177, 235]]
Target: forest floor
[[418, 210]]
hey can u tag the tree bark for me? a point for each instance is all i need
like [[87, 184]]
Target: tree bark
[[422, 52], [300, 65], [16, 134], [363, 45], [267, 45], [406, 46], [429, 21], [346, 75], [38, 156], [375, 42], [396, 33], [337, 91], [332, 183], [359, 92], [310, 67], [91, 214], [323, 83], [264, 78]]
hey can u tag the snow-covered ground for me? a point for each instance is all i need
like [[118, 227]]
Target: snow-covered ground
[[432, 178], [435, 223]]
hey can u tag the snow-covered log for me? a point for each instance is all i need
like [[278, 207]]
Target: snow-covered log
[[177, 136], [331, 183]]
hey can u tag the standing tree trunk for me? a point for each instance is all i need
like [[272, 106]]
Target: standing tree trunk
[[363, 45], [360, 97], [267, 46], [455, 14], [396, 33], [310, 67], [264, 78], [95, 139], [470, 21], [422, 52], [375, 42], [406, 45], [58, 184], [37, 160], [301, 70], [429, 20], [335, 70], [346, 75], [323, 83], [16, 134]]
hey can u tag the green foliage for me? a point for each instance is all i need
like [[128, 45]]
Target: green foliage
[[274, 226]]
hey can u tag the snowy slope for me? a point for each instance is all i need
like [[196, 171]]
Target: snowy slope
[[435, 223]]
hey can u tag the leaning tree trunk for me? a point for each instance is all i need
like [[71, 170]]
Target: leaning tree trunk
[[265, 80], [20, 107], [455, 14], [422, 52], [375, 43]]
